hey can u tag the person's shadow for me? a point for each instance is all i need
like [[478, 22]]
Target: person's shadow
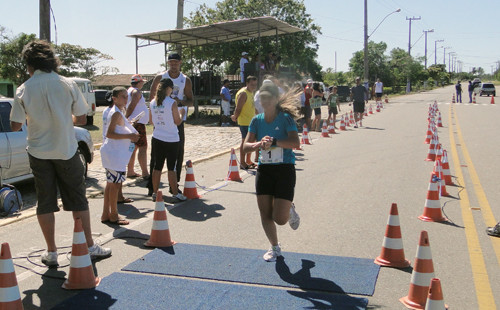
[[197, 210], [334, 297]]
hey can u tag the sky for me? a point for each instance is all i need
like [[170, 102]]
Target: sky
[[467, 28]]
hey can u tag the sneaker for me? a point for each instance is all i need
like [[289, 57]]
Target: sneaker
[[273, 253], [153, 196], [96, 251], [494, 231], [294, 219], [355, 126], [180, 196], [49, 259]]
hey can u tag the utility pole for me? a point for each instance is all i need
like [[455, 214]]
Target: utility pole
[[180, 21], [426, 31], [444, 54], [408, 82], [335, 61], [44, 20], [435, 50], [365, 58]]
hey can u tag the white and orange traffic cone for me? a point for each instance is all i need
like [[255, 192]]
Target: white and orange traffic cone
[[234, 171], [423, 272], [492, 99], [160, 232], [392, 254], [386, 99], [190, 190], [342, 123], [446, 169], [351, 118], [438, 168], [10, 297], [431, 155], [453, 99], [377, 108], [440, 122], [474, 99], [429, 135], [370, 110], [347, 121], [305, 136], [366, 112], [432, 208], [439, 151], [381, 104], [324, 131], [331, 127], [81, 274], [435, 299]]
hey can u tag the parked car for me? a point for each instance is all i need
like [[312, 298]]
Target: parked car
[[14, 162], [487, 89], [344, 93], [88, 93], [100, 97]]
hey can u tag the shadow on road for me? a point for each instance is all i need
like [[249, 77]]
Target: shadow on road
[[197, 210]]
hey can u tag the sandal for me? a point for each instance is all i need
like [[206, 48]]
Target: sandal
[[251, 166], [126, 200], [119, 221], [133, 176]]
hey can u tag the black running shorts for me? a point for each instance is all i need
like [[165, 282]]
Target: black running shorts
[[276, 180]]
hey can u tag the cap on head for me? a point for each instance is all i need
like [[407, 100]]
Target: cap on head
[[136, 78], [244, 54], [267, 82], [174, 56], [269, 89], [309, 81]]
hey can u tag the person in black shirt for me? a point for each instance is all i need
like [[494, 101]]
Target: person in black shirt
[[458, 88], [359, 95], [471, 90]]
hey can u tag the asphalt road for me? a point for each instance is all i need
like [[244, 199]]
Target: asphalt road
[[345, 187]]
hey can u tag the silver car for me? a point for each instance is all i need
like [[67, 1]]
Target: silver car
[[14, 162]]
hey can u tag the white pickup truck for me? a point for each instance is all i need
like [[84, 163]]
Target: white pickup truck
[[88, 93]]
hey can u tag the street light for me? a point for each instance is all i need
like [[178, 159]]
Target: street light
[[426, 31], [444, 54], [365, 58], [435, 50]]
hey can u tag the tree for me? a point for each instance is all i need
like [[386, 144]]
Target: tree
[[336, 78], [404, 66], [12, 67], [377, 63], [298, 51], [81, 61]]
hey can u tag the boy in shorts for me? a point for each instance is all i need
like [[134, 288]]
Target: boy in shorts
[[333, 106]]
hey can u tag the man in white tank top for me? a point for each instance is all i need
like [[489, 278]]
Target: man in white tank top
[[378, 88], [182, 94]]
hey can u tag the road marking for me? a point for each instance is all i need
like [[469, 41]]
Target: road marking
[[489, 218], [484, 293]]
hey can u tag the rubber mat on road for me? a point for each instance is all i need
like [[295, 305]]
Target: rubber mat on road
[[307, 271], [139, 291]]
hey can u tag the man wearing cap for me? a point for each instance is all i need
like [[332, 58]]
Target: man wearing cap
[[243, 61], [138, 112], [183, 96]]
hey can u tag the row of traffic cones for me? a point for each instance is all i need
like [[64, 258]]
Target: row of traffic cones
[[425, 290]]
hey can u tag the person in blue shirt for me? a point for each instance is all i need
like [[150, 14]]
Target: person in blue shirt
[[225, 96], [274, 133]]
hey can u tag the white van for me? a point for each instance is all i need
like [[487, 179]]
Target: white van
[[88, 93]]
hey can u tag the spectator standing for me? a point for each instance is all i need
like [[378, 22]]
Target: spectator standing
[[243, 114], [458, 88], [274, 133], [243, 61], [256, 98], [333, 105], [136, 104], [225, 104], [52, 104], [183, 96], [116, 151], [307, 105], [315, 102], [471, 90], [359, 95], [378, 88], [166, 117]]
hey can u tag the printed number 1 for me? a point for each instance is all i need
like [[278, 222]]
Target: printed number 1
[[269, 153]]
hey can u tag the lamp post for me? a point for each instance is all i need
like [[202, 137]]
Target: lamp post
[[444, 54], [366, 36], [426, 31], [435, 50]]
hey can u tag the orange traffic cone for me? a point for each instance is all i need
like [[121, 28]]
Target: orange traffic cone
[[431, 155], [438, 167], [440, 122], [381, 104], [81, 274], [366, 112], [386, 99], [474, 98], [439, 151], [331, 127], [160, 233], [370, 109], [429, 134], [392, 254], [377, 107], [432, 209], [492, 99], [234, 171], [190, 184], [305, 136], [347, 121], [446, 169], [453, 99], [342, 123], [435, 298], [423, 272], [351, 118], [324, 130], [10, 298]]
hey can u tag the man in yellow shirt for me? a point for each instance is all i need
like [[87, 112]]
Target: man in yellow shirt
[[243, 114]]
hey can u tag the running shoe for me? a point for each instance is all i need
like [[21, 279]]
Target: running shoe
[[494, 231], [273, 253], [49, 259], [294, 219], [180, 196], [153, 196], [96, 251]]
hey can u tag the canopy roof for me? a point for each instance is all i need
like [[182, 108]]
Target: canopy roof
[[221, 32]]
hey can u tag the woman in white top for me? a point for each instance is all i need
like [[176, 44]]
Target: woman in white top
[[165, 116], [115, 154]]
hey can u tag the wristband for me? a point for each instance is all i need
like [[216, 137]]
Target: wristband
[[274, 142]]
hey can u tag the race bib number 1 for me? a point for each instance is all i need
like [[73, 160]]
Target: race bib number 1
[[272, 156]]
